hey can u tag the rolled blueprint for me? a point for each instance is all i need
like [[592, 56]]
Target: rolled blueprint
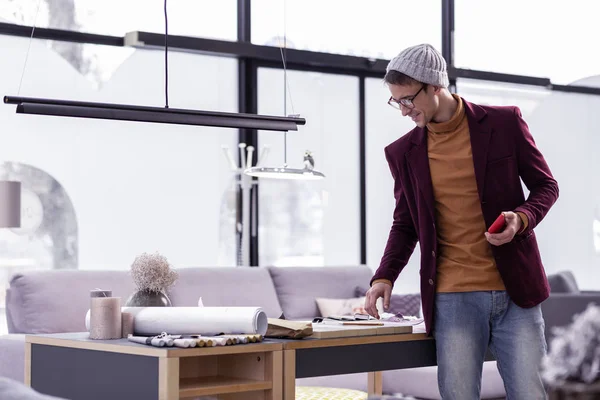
[[205, 321]]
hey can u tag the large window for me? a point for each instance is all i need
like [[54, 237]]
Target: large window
[[564, 126], [311, 222], [100, 192], [215, 19], [380, 28], [534, 37]]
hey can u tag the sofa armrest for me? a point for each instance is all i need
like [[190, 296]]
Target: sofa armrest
[[560, 308], [591, 292], [12, 361]]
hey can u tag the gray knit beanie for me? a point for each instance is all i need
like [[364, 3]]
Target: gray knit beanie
[[422, 63]]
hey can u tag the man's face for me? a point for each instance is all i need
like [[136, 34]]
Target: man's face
[[422, 102]]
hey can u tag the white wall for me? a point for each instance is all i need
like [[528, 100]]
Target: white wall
[[136, 187]]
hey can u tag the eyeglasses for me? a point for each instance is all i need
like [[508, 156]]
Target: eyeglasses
[[405, 101]]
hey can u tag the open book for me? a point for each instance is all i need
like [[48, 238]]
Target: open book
[[354, 317], [365, 319]]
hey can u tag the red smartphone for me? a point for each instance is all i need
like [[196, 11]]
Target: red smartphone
[[498, 225]]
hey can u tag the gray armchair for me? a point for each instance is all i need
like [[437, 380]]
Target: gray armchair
[[565, 301]]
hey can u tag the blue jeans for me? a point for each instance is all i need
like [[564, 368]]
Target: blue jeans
[[467, 323]]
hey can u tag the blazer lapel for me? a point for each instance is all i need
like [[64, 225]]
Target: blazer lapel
[[480, 134], [418, 162]]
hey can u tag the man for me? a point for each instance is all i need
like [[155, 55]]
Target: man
[[454, 174]]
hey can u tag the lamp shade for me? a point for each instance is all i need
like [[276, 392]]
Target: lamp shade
[[10, 204]]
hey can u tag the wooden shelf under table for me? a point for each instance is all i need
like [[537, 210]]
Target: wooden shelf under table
[[211, 385]]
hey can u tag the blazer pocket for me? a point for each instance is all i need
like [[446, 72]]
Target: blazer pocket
[[523, 238]]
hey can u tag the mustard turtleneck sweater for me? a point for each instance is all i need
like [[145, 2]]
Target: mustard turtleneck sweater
[[465, 260]]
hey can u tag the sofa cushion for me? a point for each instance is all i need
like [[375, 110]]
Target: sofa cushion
[[58, 300], [226, 286], [563, 282], [298, 287]]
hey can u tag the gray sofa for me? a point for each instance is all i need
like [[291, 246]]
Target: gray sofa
[[57, 301], [566, 301]]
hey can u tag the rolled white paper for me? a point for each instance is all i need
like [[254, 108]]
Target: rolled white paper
[[184, 343], [153, 341], [205, 321]]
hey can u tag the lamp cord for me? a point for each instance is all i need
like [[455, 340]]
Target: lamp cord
[[29, 47], [166, 57], [285, 83]]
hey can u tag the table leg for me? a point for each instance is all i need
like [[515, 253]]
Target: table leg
[[289, 374], [27, 376], [168, 378], [375, 383], [274, 369]]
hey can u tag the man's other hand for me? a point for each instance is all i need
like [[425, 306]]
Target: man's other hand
[[376, 291], [513, 225]]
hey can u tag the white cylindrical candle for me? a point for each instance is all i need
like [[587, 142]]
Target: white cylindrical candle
[[105, 318]]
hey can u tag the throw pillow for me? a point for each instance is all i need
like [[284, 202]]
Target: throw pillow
[[336, 307], [405, 304]]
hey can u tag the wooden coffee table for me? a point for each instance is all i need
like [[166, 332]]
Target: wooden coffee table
[[72, 366], [373, 354]]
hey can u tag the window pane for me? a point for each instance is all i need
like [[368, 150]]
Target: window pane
[[98, 193], [570, 146], [528, 38], [215, 19], [384, 125], [381, 29], [305, 223]]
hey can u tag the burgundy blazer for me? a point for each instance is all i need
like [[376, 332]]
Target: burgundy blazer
[[503, 153]]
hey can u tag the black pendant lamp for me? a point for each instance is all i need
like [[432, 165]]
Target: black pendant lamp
[[166, 115]]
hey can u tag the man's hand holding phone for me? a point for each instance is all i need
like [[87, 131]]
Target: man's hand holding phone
[[504, 229]]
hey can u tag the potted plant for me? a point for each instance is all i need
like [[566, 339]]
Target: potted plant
[[571, 369], [152, 275]]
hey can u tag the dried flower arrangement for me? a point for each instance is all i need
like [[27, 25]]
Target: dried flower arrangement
[[152, 272], [574, 354]]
